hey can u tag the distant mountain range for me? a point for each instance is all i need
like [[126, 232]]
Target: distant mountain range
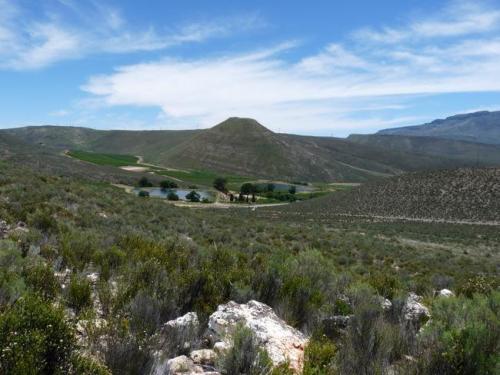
[[245, 147], [482, 127]]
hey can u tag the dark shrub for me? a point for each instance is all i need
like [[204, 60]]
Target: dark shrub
[[43, 220], [79, 294], [167, 184], [40, 278], [35, 339], [193, 196], [476, 285], [144, 182], [245, 355], [172, 196], [385, 284], [220, 183], [82, 365], [143, 194], [319, 356], [366, 348]]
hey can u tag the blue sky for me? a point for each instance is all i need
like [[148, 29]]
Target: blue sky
[[317, 67]]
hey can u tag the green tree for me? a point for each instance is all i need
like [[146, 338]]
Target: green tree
[[247, 189], [172, 196], [193, 196], [292, 189], [220, 183], [144, 182], [167, 184], [143, 194]]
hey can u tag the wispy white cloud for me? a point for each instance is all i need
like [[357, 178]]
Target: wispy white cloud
[[459, 18], [321, 91], [27, 43]]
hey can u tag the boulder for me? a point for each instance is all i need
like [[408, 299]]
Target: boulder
[[414, 311], [385, 304], [4, 229], [186, 321], [446, 293], [181, 365], [282, 342], [175, 336], [205, 357], [221, 347]]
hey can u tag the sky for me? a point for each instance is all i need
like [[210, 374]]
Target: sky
[[327, 68]]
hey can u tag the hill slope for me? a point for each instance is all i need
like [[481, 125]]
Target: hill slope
[[483, 127], [465, 153], [23, 155], [245, 147], [471, 195]]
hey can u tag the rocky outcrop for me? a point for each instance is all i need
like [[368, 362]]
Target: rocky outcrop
[[175, 336], [182, 365], [414, 311], [206, 357], [283, 343]]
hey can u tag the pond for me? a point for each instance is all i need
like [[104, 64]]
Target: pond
[[181, 193]]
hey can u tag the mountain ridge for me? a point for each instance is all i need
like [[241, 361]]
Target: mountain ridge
[[481, 127], [244, 146]]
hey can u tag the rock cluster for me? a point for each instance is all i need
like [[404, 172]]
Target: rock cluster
[[283, 343], [414, 311], [6, 229]]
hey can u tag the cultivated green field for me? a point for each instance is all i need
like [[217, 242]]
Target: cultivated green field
[[115, 160], [204, 178]]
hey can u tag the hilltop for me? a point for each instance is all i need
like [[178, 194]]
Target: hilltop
[[246, 147], [482, 127]]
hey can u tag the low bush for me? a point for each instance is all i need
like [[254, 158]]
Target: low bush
[[79, 294], [40, 279], [35, 339], [463, 336], [476, 285], [245, 356], [319, 357]]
